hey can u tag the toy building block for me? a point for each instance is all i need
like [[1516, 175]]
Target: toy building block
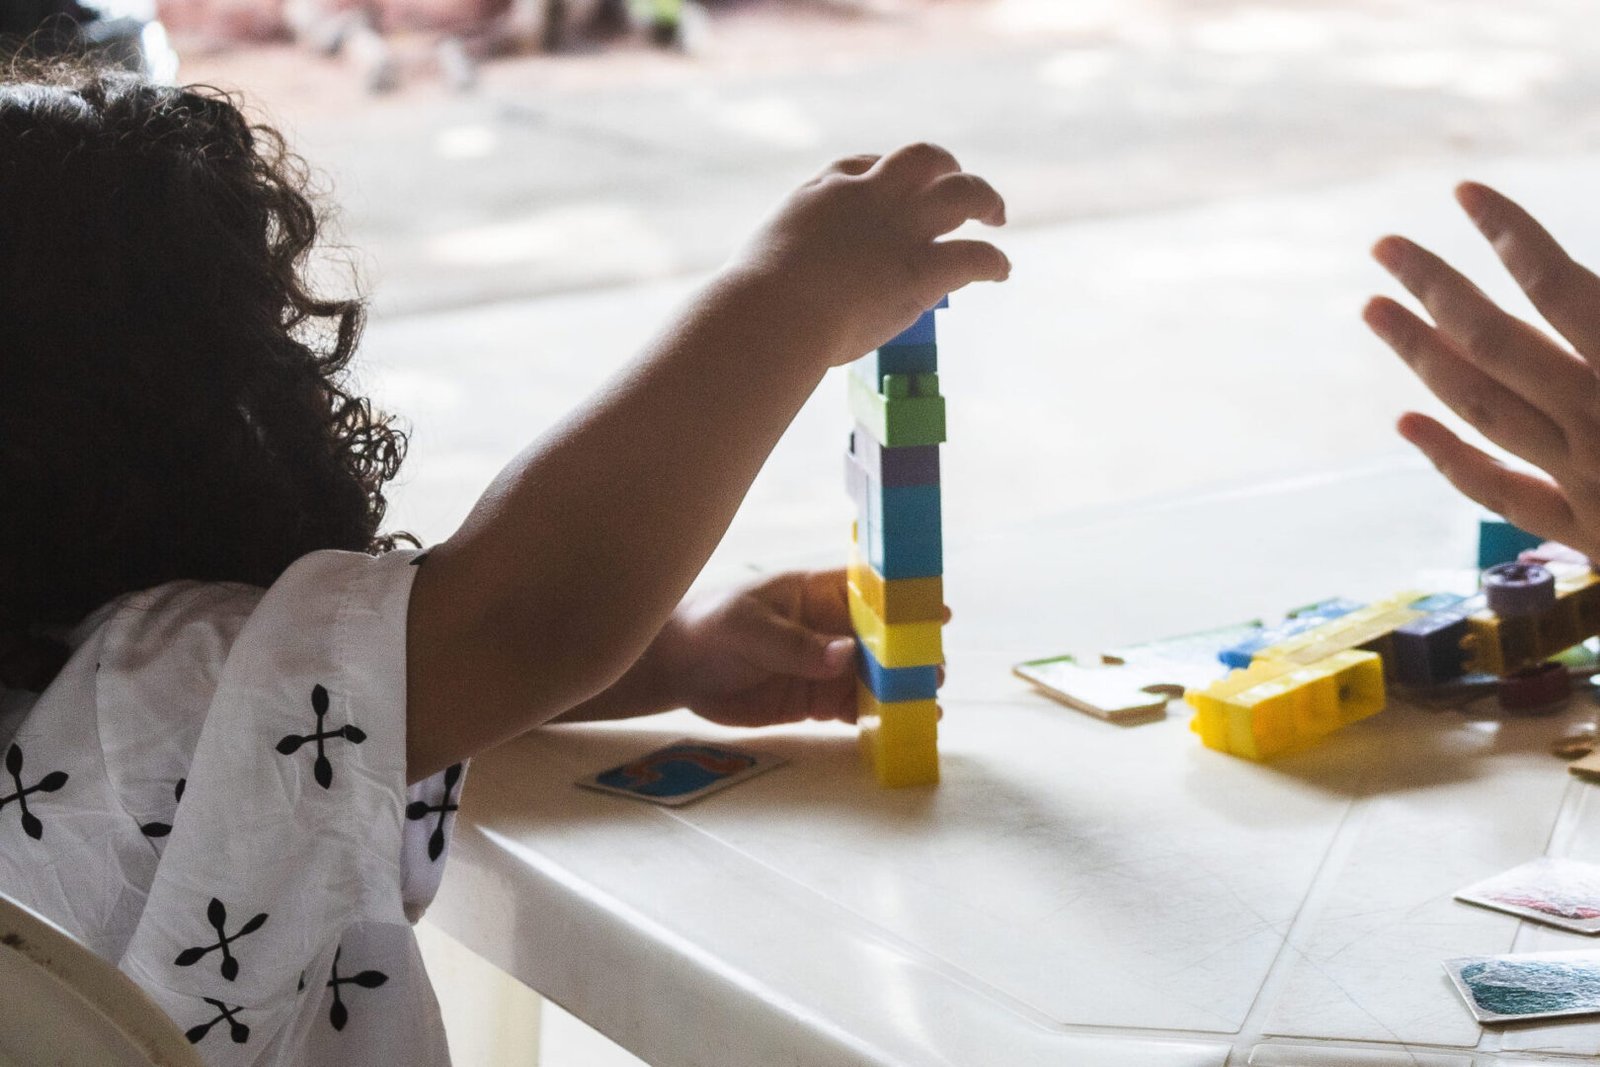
[[906, 465], [901, 531], [897, 359], [1501, 542], [892, 684], [901, 600], [900, 740], [1368, 628], [1428, 651], [896, 644], [1500, 645], [1239, 655], [909, 411], [1273, 706], [921, 332]]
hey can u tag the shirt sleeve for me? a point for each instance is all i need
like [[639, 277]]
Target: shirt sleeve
[[294, 814]]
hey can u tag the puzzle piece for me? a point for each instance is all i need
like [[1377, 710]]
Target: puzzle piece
[[1116, 693]]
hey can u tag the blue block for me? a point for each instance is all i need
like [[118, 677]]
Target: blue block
[[902, 531], [1239, 656], [920, 332], [907, 359], [891, 684], [1500, 542]]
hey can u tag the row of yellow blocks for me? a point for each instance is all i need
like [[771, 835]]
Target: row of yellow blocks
[[1310, 685], [900, 622], [1302, 689]]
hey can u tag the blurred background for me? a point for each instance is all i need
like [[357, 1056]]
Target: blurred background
[[527, 188]]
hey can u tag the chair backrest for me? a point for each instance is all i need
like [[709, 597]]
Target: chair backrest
[[65, 1005]]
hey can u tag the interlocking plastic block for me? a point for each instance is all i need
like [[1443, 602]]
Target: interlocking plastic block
[[858, 483], [901, 600], [896, 644], [1504, 646], [890, 684], [1273, 706], [899, 740], [921, 332], [901, 532], [902, 359], [906, 465], [1239, 656], [1501, 542], [1367, 628], [909, 411], [1428, 651]]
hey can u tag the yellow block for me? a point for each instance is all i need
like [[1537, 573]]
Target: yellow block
[[899, 599], [899, 740], [1273, 705], [896, 644], [1366, 626]]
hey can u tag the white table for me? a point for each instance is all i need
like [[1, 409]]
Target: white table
[[1073, 892]]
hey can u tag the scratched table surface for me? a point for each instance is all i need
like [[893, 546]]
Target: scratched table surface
[[1073, 892]]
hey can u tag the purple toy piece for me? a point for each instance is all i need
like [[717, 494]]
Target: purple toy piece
[[1518, 589]]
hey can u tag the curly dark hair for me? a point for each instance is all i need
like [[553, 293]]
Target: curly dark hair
[[173, 401]]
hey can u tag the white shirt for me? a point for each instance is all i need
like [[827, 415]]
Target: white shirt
[[212, 794]]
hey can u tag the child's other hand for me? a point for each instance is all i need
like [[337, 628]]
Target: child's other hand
[[1523, 390], [777, 651], [855, 253]]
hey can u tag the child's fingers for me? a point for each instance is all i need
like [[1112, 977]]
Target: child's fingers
[[950, 265], [1498, 413], [827, 606], [915, 166], [782, 646], [952, 200], [832, 699], [1528, 501], [1566, 293], [1503, 346], [853, 165]]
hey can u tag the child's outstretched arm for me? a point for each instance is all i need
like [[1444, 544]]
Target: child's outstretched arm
[[1523, 390], [576, 556]]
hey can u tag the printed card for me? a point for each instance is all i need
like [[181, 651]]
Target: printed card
[[681, 772], [1535, 985], [1559, 892]]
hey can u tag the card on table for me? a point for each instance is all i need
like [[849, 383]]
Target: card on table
[[1534, 985], [1559, 892], [681, 772]]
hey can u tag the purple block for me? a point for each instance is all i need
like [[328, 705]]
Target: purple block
[[907, 465]]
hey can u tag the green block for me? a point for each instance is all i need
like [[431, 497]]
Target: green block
[[912, 413]]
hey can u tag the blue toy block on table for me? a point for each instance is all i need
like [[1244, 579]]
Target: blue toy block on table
[[1500, 542], [893, 684], [1428, 651]]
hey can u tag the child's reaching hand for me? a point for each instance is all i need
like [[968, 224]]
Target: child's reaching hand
[[1524, 391], [855, 248]]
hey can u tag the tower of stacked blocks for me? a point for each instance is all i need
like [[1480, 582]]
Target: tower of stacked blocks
[[896, 583]]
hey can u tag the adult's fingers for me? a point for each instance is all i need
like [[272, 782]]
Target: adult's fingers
[[1566, 293], [1528, 501], [1497, 412], [1507, 349]]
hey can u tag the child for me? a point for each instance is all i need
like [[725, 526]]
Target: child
[[209, 720], [1523, 391]]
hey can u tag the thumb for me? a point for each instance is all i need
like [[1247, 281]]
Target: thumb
[[783, 646]]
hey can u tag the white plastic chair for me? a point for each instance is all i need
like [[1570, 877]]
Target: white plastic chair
[[66, 1006]]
